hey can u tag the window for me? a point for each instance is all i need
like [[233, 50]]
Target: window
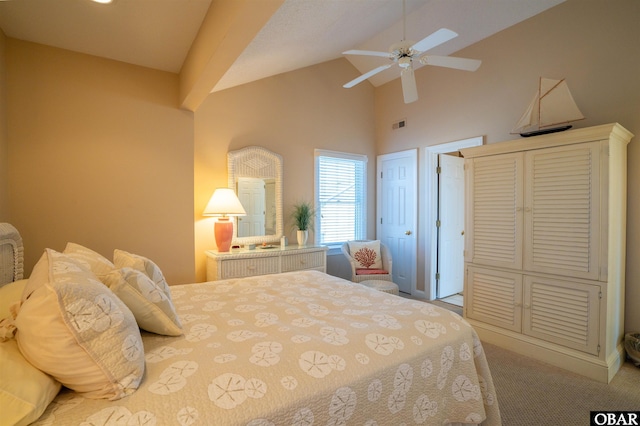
[[340, 196]]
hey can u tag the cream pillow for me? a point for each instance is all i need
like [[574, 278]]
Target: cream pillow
[[74, 328], [366, 254], [25, 391], [9, 294], [123, 259], [94, 261], [153, 309]]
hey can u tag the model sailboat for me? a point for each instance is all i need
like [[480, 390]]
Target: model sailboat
[[550, 110]]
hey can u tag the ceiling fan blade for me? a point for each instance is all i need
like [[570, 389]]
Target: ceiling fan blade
[[409, 89], [366, 75], [368, 53], [451, 62], [429, 42]]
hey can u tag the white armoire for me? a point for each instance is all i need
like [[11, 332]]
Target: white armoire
[[545, 247]]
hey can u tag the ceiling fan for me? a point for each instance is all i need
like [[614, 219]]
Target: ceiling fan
[[405, 52]]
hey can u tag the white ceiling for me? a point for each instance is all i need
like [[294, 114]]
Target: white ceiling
[[158, 33]]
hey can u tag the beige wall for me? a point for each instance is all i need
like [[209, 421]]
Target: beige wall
[[4, 186], [593, 44], [290, 114], [99, 154]]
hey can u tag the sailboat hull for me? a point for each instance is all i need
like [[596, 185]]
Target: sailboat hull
[[545, 131]]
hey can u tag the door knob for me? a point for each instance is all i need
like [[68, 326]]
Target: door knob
[[407, 232]]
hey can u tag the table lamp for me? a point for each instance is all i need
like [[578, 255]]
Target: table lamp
[[223, 204]]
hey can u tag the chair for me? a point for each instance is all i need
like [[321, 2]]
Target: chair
[[359, 274]]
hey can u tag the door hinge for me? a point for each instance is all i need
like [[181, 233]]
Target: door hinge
[[438, 170], [598, 348], [381, 175], [600, 294], [437, 276], [437, 223], [380, 221]]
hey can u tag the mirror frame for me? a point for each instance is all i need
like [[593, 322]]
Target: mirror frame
[[256, 162]]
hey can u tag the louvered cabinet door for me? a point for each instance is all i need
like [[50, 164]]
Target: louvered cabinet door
[[495, 219], [494, 297], [562, 312], [562, 208]]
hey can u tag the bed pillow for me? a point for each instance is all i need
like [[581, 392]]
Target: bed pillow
[[366, 254], [123, 259], [9, 294], [25, 391], [154, 311], [94, 261], [75, 329]]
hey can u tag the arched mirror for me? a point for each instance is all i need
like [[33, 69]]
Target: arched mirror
[[256, 175]]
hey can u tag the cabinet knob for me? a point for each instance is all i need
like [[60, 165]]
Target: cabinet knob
[[407, 232]]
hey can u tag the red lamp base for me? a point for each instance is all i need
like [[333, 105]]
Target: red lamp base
[[224, 233]]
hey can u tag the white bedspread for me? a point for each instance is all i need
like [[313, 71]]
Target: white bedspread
[[301, 348]]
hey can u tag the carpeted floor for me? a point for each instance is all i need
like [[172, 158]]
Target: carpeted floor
[[537, 394]]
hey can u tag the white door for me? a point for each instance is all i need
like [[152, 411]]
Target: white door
[[451, 229], [397, 214], [251, 195]]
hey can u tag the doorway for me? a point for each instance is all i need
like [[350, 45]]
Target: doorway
[[430, 207], [450, 228]]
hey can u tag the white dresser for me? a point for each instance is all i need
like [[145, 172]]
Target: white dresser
[[240, 263], [545, 247]]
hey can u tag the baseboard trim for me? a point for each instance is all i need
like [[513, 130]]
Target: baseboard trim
[[577, 362]]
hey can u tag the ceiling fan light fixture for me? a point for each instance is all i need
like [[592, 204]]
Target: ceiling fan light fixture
[[404, 62]]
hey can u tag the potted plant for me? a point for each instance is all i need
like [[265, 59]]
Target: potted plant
[[303, 216]]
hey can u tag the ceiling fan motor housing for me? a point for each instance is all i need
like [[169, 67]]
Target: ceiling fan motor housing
[[402, 48]]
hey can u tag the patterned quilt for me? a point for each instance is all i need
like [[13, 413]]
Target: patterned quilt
[[301, 348]]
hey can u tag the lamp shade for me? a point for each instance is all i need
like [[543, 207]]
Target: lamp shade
[[224, 202]]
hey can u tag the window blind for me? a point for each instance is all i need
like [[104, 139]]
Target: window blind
[[340, 196]]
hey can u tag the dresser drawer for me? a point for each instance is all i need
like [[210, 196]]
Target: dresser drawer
[[249, 263], [237, 268], [297, 262]]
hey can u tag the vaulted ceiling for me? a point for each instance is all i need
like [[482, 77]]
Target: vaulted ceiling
[[296, 33]]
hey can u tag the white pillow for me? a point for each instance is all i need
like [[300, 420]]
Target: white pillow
[[74, 328], [123, 259], [366, 254], [94, 261], [154, 311]]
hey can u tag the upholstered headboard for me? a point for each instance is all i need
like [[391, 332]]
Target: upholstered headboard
[[11, 254]]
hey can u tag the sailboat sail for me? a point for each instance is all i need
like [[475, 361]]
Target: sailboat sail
[[552, 105]]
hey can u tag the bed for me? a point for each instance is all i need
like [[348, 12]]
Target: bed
[[300, 348]]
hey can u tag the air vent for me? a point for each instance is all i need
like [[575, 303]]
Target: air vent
[[399, 125]]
